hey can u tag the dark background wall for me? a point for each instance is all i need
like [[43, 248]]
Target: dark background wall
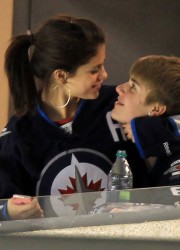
[[134, 28]]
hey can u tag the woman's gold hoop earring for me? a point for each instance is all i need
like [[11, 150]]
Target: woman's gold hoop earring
[[59, 86], [69, 97]]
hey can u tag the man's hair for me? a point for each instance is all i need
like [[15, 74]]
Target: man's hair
[[161, 74]]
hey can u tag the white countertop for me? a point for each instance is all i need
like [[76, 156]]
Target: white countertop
[[169, 229]]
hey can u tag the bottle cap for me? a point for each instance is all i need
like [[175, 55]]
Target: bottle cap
[[121, 153]]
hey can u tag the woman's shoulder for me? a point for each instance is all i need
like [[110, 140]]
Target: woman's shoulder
[[9, 127], [8, 136], [105, 101], [107, 92], [109, 89], [16, 125]]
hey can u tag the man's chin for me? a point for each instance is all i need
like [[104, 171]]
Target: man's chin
[[114, 116]]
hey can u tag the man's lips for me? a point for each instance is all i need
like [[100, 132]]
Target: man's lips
[[119, 103]]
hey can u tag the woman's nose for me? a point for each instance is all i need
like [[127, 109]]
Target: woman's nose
[[103, 74]]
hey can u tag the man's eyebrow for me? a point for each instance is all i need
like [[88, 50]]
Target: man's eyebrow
[[134, 80]]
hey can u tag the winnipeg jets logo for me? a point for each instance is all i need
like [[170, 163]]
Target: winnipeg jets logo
[[174, 170], [74, 171], [80, 183]]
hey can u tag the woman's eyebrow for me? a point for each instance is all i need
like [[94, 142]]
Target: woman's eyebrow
[[98, 66]]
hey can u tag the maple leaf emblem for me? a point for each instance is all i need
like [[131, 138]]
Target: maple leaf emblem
[[84, 187], [81, 202], [80, 183]]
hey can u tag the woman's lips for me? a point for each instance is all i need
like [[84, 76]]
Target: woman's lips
[[97, 86]]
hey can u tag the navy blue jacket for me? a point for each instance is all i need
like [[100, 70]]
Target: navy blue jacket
[[158, 138], [37, 157]]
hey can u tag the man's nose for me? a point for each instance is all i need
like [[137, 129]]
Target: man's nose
[[122, 88]]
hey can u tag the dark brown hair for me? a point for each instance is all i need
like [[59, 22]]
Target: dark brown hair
[[62, 42], [161, 74]]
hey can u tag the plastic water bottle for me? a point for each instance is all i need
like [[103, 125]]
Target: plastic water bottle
[[120, 176]]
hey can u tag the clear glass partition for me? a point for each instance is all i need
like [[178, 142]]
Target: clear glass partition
[[101, 208]]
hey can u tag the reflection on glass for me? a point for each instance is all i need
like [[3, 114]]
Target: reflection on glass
[[98, 208]]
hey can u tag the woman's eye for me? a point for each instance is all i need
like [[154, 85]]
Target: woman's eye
[[94, 71]]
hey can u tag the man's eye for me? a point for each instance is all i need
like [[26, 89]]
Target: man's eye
[[132, 87]]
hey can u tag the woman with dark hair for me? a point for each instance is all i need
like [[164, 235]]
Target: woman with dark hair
[[62, 133]]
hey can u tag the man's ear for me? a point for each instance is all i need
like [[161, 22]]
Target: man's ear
[[159, 109]]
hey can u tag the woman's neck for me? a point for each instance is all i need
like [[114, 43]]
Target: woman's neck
[[56, 113], [58, 105]]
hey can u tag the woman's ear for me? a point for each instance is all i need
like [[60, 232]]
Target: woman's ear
[[158, 109], [60, 75]]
